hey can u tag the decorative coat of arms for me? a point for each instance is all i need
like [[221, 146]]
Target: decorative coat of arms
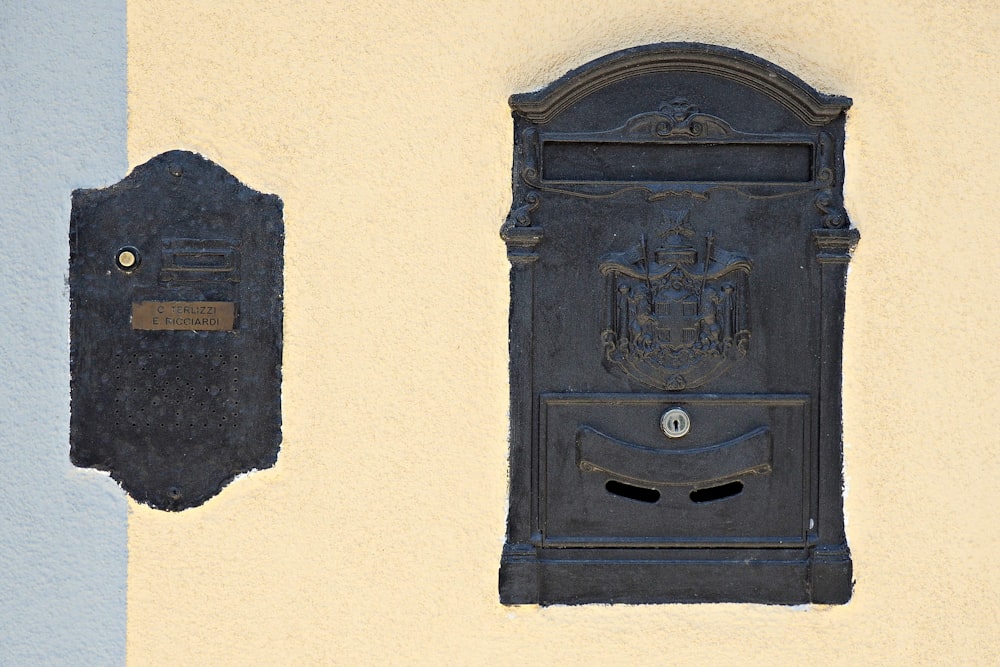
[[678, 314]]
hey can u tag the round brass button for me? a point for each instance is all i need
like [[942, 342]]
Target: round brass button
[[127, 258]]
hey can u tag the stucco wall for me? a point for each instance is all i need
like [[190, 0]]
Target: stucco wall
[[62, 530], [384, 128]]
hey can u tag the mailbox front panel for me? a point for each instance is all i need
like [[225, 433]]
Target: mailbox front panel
[[678, 247], [176, 311]]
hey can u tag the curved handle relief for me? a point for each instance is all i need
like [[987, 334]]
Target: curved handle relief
[[744, 454]]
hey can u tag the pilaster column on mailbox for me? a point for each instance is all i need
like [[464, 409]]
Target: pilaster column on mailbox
[[522, 239], [676, 334]]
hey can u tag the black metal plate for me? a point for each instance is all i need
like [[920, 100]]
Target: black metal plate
[[175, 407]]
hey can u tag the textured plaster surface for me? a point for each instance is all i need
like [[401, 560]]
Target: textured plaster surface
[[384, 127], [62, 530]]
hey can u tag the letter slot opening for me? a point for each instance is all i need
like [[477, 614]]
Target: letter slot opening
[[720, 492], [642, 494], [699, 163]]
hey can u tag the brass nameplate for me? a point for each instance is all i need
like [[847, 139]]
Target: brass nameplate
[[183, 315]]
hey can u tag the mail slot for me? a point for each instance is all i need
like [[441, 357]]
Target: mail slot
[[678, 247], [175, 334]]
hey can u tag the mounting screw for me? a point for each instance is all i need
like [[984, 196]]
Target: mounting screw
[[675, 423]]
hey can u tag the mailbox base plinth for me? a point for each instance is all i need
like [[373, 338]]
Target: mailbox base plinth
[[785, 577]]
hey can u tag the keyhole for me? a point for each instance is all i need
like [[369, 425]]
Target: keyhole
[[675, 423]]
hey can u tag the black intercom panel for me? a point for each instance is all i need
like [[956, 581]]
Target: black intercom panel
[[679, 247], [175, 343]]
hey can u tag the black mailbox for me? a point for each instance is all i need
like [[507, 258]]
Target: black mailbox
[[175, 332], [679, 247]]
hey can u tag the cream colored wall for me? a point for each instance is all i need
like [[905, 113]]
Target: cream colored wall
[[384, 127]]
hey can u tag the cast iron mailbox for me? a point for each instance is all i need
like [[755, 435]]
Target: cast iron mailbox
[[679, 248], [175, 333]]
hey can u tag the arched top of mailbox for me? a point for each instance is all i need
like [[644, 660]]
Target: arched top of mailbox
[[808, 104]]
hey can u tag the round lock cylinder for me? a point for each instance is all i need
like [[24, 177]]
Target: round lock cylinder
[[675, 423]]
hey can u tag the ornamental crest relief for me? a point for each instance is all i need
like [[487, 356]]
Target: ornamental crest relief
[[677, 308]]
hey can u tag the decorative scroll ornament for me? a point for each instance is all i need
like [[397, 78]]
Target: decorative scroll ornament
[[521, 216], [676, 118], [677, 316], [519, 233], [834, 215]]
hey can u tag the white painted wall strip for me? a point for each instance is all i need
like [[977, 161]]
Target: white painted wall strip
[[63, 548]]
